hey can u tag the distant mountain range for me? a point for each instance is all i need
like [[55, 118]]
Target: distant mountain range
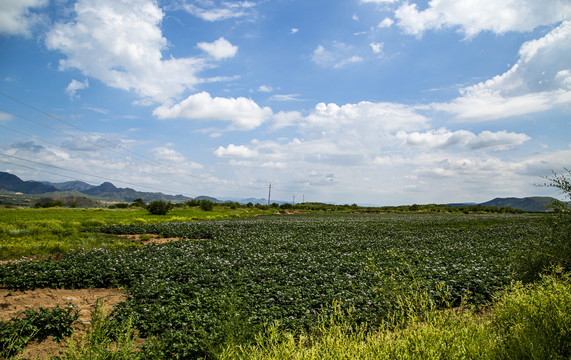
[[106, 191], [109, 192]]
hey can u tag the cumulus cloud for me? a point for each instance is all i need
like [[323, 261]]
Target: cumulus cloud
[[234, 151], [498, 16], [16, 17], [443, 138], [218, 11], [381, 117], [243, 113], [119, 42], [219, 49], [74, 86], [539, 81]]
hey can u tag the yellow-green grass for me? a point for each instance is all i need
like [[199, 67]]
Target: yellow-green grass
[[524, 322], [27, 232]]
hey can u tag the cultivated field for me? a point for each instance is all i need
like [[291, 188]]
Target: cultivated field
[[225, 280]]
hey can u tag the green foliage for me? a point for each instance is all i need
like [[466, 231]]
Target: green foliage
[[104, 339], [524, 322], [48, 204], [36, 325], [554, 249], [534, 321], [253, 271], [206, 205], [159, 207]]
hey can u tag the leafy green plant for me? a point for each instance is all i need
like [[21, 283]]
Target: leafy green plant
[[36, 325]]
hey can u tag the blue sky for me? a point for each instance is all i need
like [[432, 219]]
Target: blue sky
[[382, 102]]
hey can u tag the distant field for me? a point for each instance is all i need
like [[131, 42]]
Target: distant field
[[40, 232], [227, 278]]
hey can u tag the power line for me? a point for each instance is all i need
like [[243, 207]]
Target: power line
[[78, 128], [144, 158]]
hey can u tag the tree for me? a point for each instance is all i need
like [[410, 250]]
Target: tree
[[159, 207]]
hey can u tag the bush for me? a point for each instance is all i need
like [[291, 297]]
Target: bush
[[159, 207], [206, 205]]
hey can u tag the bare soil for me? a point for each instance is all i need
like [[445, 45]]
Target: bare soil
[[146, 239], [14, 303]]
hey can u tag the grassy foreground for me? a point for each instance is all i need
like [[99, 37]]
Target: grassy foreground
[[524, 322]]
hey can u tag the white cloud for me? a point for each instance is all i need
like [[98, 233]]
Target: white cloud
[[442, 138], [337, 56], [377, 47], [285, 97], [294, 30], [219, 49], [244, 114], [164, 154], [376, 118], [498, 16], [233, 151], [539, 81], [119, 42], [210, 11], [74, 86], [265, 88], [16, 17], [386, 23]]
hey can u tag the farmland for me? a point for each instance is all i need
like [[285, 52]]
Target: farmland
[[227, 279]]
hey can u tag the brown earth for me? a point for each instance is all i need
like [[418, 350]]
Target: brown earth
[[146, 239], [14, 303]]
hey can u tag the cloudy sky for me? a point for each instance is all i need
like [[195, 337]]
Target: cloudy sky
[[382, 102]]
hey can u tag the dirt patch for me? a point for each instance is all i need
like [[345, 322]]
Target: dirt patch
[[146, 239], [14, 303]]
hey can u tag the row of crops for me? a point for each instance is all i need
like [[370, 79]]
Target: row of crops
[[227, 279]]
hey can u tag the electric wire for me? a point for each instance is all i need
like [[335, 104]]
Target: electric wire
[[72, 125], [145, 159]]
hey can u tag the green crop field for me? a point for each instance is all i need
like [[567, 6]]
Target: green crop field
[[27, 232], [227, 279]]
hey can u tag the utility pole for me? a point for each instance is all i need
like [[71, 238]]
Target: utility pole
[[294, 199], [303, 199], [269, 193]]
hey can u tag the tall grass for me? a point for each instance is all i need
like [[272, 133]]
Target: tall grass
[[525, 322]]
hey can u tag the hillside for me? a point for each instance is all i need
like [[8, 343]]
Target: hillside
[[104, 192], [532, 203]]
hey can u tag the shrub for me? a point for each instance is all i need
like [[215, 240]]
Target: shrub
[[206, 205], [159, 207]]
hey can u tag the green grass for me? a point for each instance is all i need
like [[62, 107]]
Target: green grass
[[27, 232], [525, 322]]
